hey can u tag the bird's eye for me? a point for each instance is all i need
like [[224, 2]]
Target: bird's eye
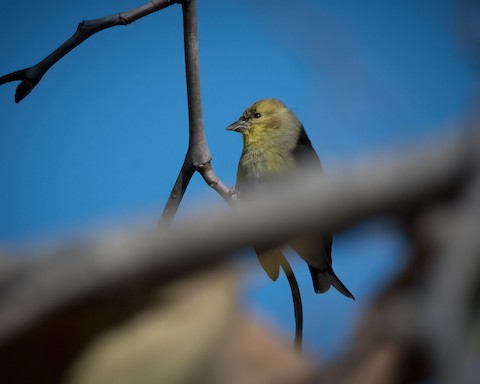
[[257, 115]]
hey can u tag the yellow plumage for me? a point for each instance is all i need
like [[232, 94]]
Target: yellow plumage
[[275, 144]]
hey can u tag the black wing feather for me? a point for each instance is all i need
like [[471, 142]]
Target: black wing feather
[[305, 155]]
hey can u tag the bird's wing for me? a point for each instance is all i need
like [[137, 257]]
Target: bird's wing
[[304, 153], [305, 156], [317, 252]]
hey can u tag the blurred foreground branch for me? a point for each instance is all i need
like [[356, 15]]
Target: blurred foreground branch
[[402, 338], [425, 324], [48, 281]]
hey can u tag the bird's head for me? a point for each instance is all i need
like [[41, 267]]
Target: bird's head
[[266, 120]]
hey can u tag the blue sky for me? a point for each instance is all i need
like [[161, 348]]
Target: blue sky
[[103, 135]]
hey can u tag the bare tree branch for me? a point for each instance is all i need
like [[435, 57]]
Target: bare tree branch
[[30, 77], [198, 157], [197, 142], [176, 195], [51, 280], [214, 182]]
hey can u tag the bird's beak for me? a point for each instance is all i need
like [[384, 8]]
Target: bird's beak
[[238, 126]]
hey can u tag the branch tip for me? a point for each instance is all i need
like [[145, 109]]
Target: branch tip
[[85, 29], [23, 89]]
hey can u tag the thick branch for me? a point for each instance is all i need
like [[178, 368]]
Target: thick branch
[[30, 77], [198, 156], [197, 145], [323, 204]]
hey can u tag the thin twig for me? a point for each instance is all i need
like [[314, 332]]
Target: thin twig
[[297, 303], [30, 77], [214, 182], [176, 195]]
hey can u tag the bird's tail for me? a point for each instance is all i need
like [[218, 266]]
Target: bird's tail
[[323, 279]]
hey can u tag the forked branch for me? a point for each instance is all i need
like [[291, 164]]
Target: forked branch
[[198, 157]]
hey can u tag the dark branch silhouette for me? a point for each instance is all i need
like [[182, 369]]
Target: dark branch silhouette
[[178, 190], [198, 157], [297, 303], [30, 77]]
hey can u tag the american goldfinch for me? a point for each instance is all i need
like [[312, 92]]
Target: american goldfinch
[[275, 144]]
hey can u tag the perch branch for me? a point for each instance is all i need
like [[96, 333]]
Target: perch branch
[[30, 77], [198, 157], [214, 182]]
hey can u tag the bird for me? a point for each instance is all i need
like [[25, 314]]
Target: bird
[[275, 146]]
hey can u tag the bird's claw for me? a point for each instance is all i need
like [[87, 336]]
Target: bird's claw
[[233, 193]]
